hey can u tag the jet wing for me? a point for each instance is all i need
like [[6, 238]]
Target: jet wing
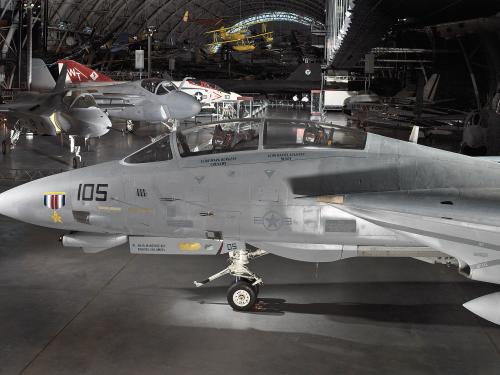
[[464, 228], [27, 110], [42, 125]]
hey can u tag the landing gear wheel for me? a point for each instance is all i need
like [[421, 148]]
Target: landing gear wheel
[[256, 288], [76, 163], [241, 296], [4, 147]]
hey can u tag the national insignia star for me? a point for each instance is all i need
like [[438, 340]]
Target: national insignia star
[[272, 221]]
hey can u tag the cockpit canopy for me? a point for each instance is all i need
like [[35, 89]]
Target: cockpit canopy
[[79, 100], [309, 134], [244, 135], [158, 86]]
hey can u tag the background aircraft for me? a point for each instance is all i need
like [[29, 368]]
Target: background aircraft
[[150, 100], [305, 78], [60, 111], [240, 41], [205, 92], [302, 190]]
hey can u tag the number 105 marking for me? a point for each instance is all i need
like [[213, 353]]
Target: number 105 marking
[[90, 192]]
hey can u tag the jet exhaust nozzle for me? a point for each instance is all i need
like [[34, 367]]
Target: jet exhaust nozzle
[[93, 242], [487, 307]]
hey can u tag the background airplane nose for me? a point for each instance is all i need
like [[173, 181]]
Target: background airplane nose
[[195, 106], [182, 105]]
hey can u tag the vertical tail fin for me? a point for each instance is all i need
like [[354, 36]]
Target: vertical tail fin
[[41, 79], [78, 73], [61, 81]]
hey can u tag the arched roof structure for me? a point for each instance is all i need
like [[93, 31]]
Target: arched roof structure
[[134, 16]]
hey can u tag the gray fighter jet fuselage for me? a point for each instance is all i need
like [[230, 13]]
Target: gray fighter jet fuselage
[[301, 190], [150, 100]]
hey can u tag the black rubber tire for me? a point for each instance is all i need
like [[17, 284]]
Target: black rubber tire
[[256, 288], [241, 296]]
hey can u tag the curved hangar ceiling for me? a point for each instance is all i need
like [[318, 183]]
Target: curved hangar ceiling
[[134, 16]]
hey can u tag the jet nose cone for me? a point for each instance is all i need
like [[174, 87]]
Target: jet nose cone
[[182, 105], [9, 203], [90, 122], [195, 106], [32, 203]]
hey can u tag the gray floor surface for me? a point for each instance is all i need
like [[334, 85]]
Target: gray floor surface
[[66, 312]]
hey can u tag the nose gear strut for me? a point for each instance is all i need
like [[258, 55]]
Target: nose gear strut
[[242, 294], [12, 139]]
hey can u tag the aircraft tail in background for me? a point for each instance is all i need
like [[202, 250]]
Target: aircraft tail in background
[[41, 79], [79, 73]]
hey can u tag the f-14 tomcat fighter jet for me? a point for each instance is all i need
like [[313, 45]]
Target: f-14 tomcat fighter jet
[[302, 190], [59, 111]]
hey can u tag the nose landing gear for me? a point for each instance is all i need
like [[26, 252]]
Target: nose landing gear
[[13, 137], [242, 294], [75, 150]]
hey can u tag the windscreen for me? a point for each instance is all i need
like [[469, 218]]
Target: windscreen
[[220, 137], [158, 86], [157, 151], [84, 101], [164, 87]]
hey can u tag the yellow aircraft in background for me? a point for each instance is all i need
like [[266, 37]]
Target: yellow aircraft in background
[[241, 40], [223, 35]]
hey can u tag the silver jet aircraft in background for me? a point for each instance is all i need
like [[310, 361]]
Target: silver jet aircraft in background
[[59, 111], [301, 190], [151, 100]]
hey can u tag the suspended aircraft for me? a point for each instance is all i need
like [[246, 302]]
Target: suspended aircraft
[[60, 111], [241, 41], [224, 34], [150, 100], [301, 190]]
